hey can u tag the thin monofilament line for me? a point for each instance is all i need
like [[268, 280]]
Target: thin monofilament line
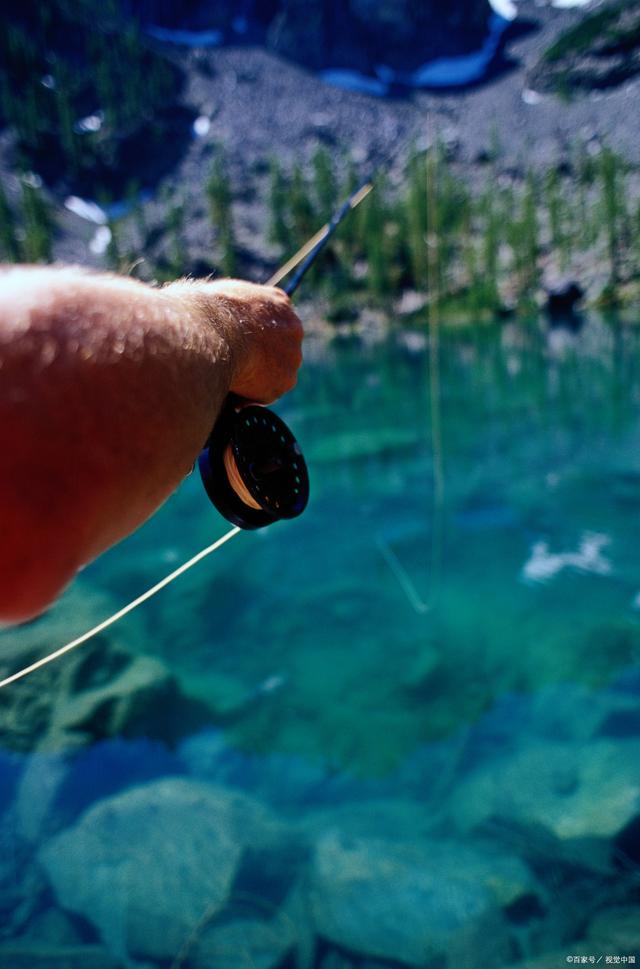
[[121, 612], [404, 580], [324, 233]]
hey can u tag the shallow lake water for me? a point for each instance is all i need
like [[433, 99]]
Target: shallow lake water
[[427, 689]]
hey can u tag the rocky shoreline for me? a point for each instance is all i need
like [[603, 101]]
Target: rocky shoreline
[[257, 106]]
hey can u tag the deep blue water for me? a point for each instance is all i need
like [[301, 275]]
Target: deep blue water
[[404, 728]]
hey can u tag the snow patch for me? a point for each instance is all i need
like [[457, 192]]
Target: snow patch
[[529, 96], [186, 38], [32, 179], [465, 69], [201, 126], [565, 4], [443, 72], [89, 211], [504, 8], [101, 239], [92, 122], [355, 81]]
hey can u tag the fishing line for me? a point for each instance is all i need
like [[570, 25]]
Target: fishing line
[[234, 473], [122, 612], [404, 579]]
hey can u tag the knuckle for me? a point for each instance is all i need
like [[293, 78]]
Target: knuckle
[[293, 380]]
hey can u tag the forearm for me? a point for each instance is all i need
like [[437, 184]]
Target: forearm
[[108, 389]]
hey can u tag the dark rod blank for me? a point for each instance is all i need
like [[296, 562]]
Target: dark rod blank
[[336, 219]]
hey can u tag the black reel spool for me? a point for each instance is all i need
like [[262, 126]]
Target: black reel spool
[[268, 462]]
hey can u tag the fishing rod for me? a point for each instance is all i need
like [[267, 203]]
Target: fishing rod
[[251, 466]]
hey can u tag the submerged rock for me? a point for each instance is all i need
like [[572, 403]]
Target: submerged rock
[[37, 792], [103, 689], [616, 930], [143, 867], [55, 788], [407, 903], [284, 781], [22, 883], [40, 956], [393, 819], [52, 927], [10, 769], [574, 790], [358, 445], [250, 943]]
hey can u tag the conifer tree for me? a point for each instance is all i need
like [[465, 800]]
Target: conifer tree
[[491, 245], [9, 245], [525, 238], [470, 255], [68, 137], [325, 186], [450, 198], [219, 194], [175, 227], [416, 220], [279, 231], [105, 84], [113, 253], [378, 270], [351, 234], [435, 262], [302, 215], [610, 175], [37, 221], [636, 237], [556, 213], [136, 208], [531, 230]]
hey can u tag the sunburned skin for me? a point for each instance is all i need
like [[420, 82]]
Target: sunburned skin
[[108, 390]]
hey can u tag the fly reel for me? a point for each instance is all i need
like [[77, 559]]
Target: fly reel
[[252, 466]]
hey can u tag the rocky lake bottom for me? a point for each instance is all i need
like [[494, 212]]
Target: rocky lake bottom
[[401, 731]]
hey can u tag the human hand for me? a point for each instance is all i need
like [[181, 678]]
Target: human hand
[[109, 390], [263, 332]]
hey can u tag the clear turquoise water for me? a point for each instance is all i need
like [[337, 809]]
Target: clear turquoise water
[[389, 617], [466, 653]]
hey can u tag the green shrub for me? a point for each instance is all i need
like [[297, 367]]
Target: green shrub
[[10, 249], [220, 205]]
